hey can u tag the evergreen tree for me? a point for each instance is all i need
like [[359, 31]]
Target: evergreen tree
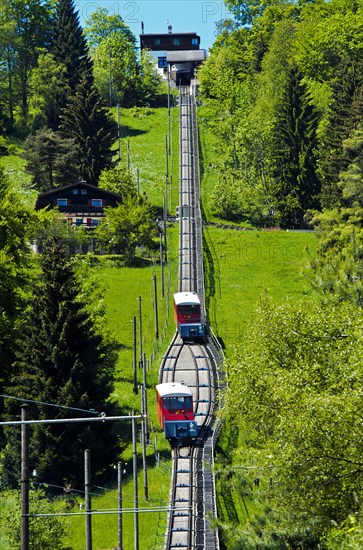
[[345, 114], [69, 46], [87, 120], [62, 359], [52, 160], [296, 186]]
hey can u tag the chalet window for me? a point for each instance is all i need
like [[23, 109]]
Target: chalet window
[[84, 191], [62, 202], [96, 202], [79, 221], [75, 191], [157, 42], [195, 41], [176, 41], [96, 222]]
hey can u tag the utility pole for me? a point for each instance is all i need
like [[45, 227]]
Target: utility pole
[[140, 333], [118, 132], [162, 264], [136, 496], [135, 360], [165, 219], [24, 479], [119, 485], [128, 156], [87, 491], [156, 309], [144, 439]]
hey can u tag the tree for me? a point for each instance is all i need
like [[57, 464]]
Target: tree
[[296, 186], [343, 117], [52, 160], [46, 532], [69, 46], [297, 409], [100, 25], [116, 57], [62, 358], [127, 227], [337, 266], [16, 225], [27, 27], [48, 88], [86, 120], [149, 80], [118, 180]]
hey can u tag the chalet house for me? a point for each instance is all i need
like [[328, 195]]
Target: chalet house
[[80, 202]]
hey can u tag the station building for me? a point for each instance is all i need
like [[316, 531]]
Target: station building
[[178, 54]]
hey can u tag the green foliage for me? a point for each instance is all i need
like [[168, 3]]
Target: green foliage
[[343, 116], [100, 25], [69, 46], [25, 28], [52, 160], [337, 268], [126, 227], [267, 157], [16, 226], [299, 404], [296, 186], [45, 532], [48, 86], [86, 120], [61, 359], [118, 180], [118, 54]]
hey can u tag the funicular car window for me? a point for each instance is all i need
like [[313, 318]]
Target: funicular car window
[[177, 403], [188, 310]]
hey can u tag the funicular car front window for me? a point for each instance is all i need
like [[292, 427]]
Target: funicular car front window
[[177, 403], [188, 310]]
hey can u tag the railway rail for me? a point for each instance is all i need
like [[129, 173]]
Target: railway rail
[[192, 492]]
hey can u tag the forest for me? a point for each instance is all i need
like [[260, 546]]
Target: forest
[[281, 97]]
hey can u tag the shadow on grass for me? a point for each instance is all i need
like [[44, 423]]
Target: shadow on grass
[[127, 131]]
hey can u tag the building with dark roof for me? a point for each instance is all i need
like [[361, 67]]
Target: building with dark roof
[[80, 202], [178, 53]]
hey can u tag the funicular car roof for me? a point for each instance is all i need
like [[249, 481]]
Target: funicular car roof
[[173, 389], [186, 299]]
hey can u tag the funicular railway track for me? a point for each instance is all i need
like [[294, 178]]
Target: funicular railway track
[[192, 496]]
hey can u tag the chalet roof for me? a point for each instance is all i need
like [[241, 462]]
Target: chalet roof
[[80, 185], [185, 56], [174, 34]]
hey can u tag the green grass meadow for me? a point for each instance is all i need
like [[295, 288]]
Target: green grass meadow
[[244, 266]]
